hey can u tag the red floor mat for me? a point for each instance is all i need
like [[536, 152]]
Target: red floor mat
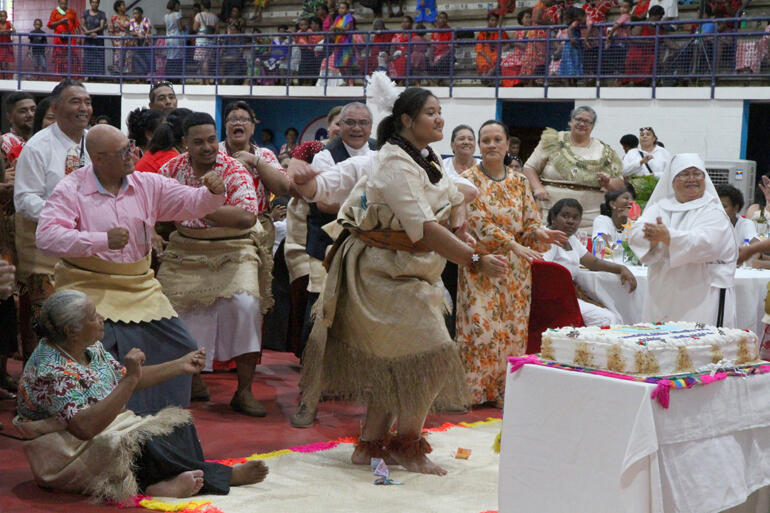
[[223, 432]]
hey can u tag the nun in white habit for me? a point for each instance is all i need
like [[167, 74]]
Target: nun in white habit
[[686, 239]]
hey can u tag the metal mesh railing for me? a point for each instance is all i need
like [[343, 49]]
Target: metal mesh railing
[[672, 53]]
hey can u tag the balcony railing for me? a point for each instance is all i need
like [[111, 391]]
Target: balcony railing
[[673, 53]]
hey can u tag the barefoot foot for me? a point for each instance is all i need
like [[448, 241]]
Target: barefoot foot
[[419, 463], [362, 457], [185, 484], [249, 473]]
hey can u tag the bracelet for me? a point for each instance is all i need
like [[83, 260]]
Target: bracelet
[[475, 264]]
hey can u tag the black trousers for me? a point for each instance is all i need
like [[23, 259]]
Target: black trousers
[[167, 456], [9, 333]]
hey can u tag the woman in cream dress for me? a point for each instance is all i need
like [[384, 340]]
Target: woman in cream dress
[[379, 334], [574, 165]]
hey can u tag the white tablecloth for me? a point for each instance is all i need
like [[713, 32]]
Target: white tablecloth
[[577, 442], [750, 291]]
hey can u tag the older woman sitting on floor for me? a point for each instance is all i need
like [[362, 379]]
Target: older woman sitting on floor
[[80, 437]]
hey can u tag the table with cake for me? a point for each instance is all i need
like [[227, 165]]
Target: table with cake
[[653, 417]]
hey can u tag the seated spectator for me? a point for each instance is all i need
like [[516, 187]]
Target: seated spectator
[[268, 140], [309, 62], [534, 59], [512, 60], [166, 142], [142, 124], [732, 201], [81, 439], [670, 8], [377, 50], [565, 215], [613, 220], [419, 51], [292, 136], [617, 41], [640, 57], [231, 59], [400, 51], [440, 62], [486, 51]]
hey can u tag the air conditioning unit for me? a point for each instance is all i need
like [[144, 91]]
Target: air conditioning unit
[[741, 174]]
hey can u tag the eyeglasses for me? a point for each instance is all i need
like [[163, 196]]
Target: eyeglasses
[[647, 128], [583, 121], [351, 123], [685, 175], [238, 121], [125, 152]]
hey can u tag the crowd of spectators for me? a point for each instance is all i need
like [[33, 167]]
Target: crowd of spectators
[[568, 41]]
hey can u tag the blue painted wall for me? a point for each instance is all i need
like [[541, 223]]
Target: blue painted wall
[[278, 114]]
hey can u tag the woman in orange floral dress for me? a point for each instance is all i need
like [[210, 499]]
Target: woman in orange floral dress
[[493, 313]]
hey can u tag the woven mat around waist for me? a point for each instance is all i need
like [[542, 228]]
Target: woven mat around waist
[[121, 292], [197, 271], [31, 259]]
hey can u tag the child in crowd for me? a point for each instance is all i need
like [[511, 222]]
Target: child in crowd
[[419, 51], [617, 40], [6, 46], [378, 52], [37, 47], [572, 54]]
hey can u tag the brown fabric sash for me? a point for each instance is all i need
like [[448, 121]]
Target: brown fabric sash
[[217, 233], [383, 239]]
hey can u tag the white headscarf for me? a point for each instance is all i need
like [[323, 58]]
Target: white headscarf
[[664, 192]]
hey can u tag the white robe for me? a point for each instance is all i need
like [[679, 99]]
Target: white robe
[[685, 277]]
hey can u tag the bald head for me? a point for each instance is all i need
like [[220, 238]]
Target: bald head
[[110, 153], [104, 138]]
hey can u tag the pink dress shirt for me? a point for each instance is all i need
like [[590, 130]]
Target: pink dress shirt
[[80, 212]]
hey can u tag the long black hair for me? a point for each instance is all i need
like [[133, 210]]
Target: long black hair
[[559, 205], [409, 102], [169, 134], [40, 112], [143, 120], [606, 209]]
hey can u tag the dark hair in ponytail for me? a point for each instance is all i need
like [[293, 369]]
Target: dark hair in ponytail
[[169, 134], [143, 120], [605, 209], [409, 102]]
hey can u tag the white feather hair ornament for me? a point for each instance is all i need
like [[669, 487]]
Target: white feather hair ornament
[[382, 91]]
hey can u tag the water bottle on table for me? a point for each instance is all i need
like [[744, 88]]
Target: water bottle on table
[[746, 263], [598, 246], [617, 252]]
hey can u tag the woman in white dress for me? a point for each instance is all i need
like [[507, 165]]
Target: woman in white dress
[[650, 158], [565, 216], [614, 216], [686, 239]]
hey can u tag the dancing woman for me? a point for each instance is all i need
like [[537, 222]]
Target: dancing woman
[[379, 335]]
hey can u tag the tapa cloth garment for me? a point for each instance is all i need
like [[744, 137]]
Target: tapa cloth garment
[[31, 260], [563, 165], [100, 467], [686, 276], [379, 334], [200, 266], [120, 292]]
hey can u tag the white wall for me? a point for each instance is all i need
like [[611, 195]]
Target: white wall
[[711, 128]]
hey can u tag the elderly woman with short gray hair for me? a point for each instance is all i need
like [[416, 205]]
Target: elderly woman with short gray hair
[[79, 436], [572, 164]]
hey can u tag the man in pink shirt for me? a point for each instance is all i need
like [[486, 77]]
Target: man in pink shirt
[[98, 220]]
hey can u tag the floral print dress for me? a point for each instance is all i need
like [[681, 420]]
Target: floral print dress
[[493, 313]]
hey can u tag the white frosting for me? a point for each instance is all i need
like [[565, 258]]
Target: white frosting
[[650, 349]]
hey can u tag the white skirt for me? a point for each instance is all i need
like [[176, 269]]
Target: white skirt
[[226, 329]]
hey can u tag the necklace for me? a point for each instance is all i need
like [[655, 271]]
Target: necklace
[[505, 173], [60, 348]]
